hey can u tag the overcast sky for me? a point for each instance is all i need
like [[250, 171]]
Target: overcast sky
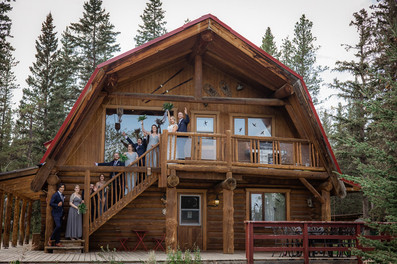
[[250, 18]]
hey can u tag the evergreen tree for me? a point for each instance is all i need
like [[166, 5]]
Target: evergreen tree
[[371, 122], [300, 55], [7, 84], [287, 52], [66, 83], [92, 38], [35, 108], [268, 44], [153, 23]]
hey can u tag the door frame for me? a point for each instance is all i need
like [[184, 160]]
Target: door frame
[[203, 194]]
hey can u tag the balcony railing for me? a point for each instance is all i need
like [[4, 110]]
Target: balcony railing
[[242, 151]]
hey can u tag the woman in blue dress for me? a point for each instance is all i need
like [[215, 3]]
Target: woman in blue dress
[[131, 157], [154, 138]]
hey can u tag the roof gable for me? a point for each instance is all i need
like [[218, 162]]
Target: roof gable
[[223, 46]]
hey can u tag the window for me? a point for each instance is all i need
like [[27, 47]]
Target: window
[[190, 210], [129, 124], [206, 123], [253, 126], [269, 205]]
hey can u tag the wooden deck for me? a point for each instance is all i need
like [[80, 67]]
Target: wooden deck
[[25, 255]]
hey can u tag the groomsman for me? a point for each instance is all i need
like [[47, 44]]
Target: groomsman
[[56, 202], [181, 140], [119, 186]]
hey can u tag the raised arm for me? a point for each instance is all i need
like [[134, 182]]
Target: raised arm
[[169, 117], [143, 129]]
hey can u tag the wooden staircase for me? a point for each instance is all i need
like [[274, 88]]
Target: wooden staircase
[[141, 171], [68, 246]]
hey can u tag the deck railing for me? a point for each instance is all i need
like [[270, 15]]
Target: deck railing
[[304, 239], [243, 151]]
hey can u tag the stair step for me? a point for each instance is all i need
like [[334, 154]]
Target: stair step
[[65, 249]]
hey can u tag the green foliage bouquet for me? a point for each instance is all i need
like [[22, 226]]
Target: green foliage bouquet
[[123, 157], [168, 106], [141, 118], [82, 208]]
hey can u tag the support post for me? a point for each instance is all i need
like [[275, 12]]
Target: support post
[[228, 222], [198, 76], [7, 221], [1, 214], [28, 220], [326, 206], [228, 155], [15, 223], [171, 222], [86, 216], [49, 222], [22, 222], [163, 159]]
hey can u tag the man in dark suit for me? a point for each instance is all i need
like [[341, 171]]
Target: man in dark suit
[[117, 186], [140, 146], [183, 122], [181, 141], [56, 202]]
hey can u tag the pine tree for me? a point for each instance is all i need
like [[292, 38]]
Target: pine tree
[[7, 85], [269, 44], [66, 83], [371, 122], [153, 23], [35, 109], [300, 55], [93, 39]]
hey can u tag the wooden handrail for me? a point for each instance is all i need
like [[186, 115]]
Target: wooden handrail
[[271, 138]]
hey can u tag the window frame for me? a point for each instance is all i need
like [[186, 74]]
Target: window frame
[[199, 209], [247, 116], [286, 192]]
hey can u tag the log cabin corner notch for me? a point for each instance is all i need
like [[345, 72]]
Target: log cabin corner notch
[[252, 120]]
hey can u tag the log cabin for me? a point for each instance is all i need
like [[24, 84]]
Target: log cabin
[[255, 147]]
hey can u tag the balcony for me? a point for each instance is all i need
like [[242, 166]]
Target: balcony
[[284, 157]]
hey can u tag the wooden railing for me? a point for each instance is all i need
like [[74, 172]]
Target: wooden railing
[[289, 153], [242, 151], [123, 184], [305, 239]]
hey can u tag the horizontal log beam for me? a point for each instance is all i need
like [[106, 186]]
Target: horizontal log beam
[[291, 174], [228, 184], [207, 100], [283, 92], [109, 169]]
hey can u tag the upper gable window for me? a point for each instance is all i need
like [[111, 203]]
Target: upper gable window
[[253, 126], [129, 124]]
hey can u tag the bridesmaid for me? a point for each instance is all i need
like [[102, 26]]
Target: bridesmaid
[[74, 227], [132, 156], [172, 127], [154, 138], [102, 194]]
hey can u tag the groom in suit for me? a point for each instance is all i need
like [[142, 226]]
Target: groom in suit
[[181, 141], [56, 202], [119, 186], [140, 146]]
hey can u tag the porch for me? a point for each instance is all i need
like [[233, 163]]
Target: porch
[[25, 255]]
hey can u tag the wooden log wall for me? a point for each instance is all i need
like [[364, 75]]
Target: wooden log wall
[[144, 213], [89, 146]]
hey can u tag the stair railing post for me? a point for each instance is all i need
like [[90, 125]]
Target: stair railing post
[[86, 216], [163, 159]]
